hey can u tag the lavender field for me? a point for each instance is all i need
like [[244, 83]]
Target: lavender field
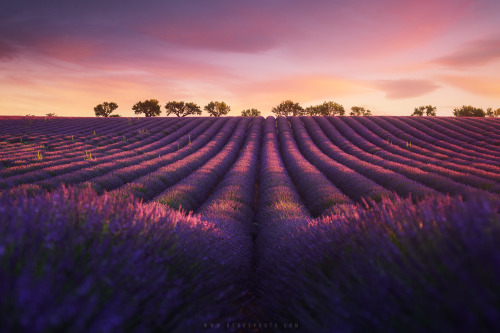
[[310, 224]]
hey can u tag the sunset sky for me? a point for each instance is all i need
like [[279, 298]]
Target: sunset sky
[[389, 56]]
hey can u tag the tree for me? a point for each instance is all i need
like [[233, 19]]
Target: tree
[[468, 111], [150, 108], [115, 116], [429, 111], [105, 109], [181, 109], [493, 113], [325, 109], [50, 115], [217, 109], [360, 111], [288, 108], [250, 113]]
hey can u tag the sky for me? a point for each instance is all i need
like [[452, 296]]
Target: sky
[[390, 56]]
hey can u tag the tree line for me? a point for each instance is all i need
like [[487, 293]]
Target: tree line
[[464, 111], [152, 108]]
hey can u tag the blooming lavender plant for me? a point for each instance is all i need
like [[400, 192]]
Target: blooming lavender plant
[[388, 179], [317, 192], [434, 181], [397, 152], [192, 191], [395, 267], [75, 261]]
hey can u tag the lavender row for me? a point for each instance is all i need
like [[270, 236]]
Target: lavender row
[[117, 171], [12, 126], [154, 183], [353, 184], [193, 190], [116, 137], [486, 181], [411, 148], [461, 133], [487, 124], [448, 142], [421, 139], [68, 161], [346, 139], [233, 200], [388, 179], [74, 172], [135, 167], [81, 130], [481, 129], [395, 267], [278, 198], [279, 211], [316, 191], [74, 148], [76, 262]]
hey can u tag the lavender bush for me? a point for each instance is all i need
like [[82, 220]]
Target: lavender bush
[[76, 262], [394, 267]]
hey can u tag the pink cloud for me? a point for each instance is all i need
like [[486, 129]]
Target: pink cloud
[[74, 50], [368, 30], [228, 27], [474, 53], [7, 51], [405, 88]]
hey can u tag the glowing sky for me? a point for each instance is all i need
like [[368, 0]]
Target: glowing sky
[[66, 56]]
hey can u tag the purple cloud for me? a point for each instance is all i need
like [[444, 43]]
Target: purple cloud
[[475, 53]]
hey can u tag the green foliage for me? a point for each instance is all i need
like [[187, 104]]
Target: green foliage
[[217, 109], [360, 111], [51, 115], [468, 111], [115, 116], [428, 109], [288, 108], [181, 109], [493, 113], [150, 108], [105, 109], [326, 109], [250, 113]]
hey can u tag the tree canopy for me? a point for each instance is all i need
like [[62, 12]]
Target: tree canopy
[[468, 111], [217, 109], [150, 108], [360, 111], [428, 109], [105, 109], [250, 113], [181, 109], [493, 113], [288, 108], [326, 109]]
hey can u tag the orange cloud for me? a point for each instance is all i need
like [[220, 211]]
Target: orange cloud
[[479, 85]]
